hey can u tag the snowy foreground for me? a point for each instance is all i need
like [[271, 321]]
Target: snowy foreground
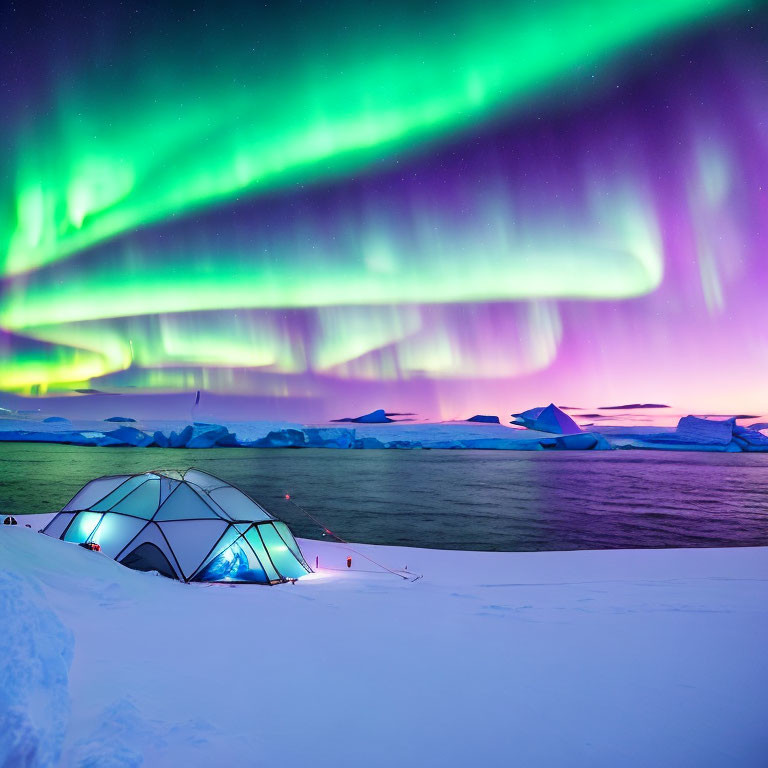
[[630, 658]]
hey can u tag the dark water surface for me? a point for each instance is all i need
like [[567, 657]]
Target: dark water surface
[[486, 500]]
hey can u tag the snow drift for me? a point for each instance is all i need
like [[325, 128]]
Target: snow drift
[[630, 658], [35, 654]]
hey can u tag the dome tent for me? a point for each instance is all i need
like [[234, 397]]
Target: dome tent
[[187, 525]]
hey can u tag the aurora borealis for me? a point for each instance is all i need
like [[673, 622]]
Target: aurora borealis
[[447, 208]]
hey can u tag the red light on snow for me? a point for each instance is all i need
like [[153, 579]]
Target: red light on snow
[[288, 496]]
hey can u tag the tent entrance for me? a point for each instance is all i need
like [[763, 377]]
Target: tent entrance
[[149, 557]]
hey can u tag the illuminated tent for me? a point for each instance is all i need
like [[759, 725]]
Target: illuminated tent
[[186, 525]]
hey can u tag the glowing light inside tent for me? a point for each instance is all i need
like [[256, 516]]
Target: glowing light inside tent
[[82, 526]]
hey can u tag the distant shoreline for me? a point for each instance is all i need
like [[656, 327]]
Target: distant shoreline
[[692, 434]]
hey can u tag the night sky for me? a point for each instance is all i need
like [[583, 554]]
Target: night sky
[[439, 207]]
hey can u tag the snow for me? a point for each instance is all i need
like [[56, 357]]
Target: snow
[[631, 658], [35, 654]]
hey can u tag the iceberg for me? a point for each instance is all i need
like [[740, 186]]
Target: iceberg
[[125, 419], [368, 442], [160, 439], [281, 438], [56, 420], [585, 441], [403, 444], [208, 436], [228, 441], [374, 417], [111, 442], [69, 438], [550, 419], [694, 433], [479, 418], [329, 437], [749, 440], [500, 444], [127, 436], [692, 429], [180, 440], [527, 418], [445, 445], [545, 428], [197, 435]]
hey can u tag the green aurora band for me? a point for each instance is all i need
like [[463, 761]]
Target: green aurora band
[[605, 245], [422, 203], [166, 132], [361, 343]]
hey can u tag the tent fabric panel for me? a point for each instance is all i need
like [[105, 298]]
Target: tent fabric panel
[[114, 532], [167, 486], [149, 557], [185, 504], [142, 501], [203, 479], [82, 526], [191, 540], [253, 538], [119, 493], [58, 525], [152, 533], [237, 505], [282, 557], [206, 497], [94, 492], [288, 538]]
